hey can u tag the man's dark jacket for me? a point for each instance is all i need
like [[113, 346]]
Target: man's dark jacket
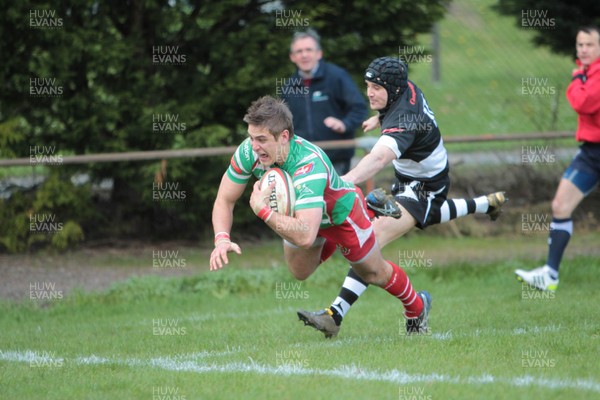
[[331, 93]]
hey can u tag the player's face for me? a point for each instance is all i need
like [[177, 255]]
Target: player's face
[[305, 54], [377, 96], [588, 47], [269, 149]]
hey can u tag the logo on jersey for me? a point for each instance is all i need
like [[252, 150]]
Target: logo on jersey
[[305, 169], [303, 190], [344, 250], [247, 152]]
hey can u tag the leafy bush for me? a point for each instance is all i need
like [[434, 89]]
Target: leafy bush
[[50, 216]]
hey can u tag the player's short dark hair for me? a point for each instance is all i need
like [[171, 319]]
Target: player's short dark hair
[[272, 114]]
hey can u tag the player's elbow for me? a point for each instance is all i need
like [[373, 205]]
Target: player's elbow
[[304, 231], [306, 241]]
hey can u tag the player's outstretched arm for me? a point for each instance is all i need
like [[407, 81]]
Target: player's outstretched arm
[[370, 165], [222, 219]]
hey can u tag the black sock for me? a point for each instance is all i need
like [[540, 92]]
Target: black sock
[[337, 317], [351, 290], [560, 233]]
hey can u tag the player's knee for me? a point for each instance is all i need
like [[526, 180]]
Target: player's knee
[[301, 269], [300, 275], [372, 277], [560, 209]]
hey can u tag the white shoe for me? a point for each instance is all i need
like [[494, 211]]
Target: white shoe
[[538, 278]]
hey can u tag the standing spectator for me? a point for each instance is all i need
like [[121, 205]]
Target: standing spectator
[[583, 174], [325, 102]]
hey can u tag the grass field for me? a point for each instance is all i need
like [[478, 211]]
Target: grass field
[[234, 334]]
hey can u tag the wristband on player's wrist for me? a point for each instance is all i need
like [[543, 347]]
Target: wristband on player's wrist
[[581, 77], [222, 237], [265, 213]]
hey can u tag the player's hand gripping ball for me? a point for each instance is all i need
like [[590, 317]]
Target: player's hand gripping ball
[[283, 196]]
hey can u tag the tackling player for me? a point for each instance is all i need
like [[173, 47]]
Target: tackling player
[[411, 141], [328, 212]]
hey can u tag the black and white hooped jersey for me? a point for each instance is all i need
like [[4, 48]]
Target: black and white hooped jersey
[[409, 129]]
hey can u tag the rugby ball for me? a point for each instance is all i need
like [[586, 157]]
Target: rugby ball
[[283, 195]]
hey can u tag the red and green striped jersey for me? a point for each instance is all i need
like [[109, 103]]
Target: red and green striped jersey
[[316, 182]]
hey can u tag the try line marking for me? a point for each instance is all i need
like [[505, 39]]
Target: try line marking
[[197, 362]]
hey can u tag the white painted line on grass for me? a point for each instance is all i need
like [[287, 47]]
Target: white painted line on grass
[[185, 363]]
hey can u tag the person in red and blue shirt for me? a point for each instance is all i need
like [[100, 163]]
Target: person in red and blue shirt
[[583, 174]]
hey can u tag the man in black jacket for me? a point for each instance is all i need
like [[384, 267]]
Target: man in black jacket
[[325, 102]]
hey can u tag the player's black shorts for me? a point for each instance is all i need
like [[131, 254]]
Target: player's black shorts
[[423, 200], [584, 170]]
